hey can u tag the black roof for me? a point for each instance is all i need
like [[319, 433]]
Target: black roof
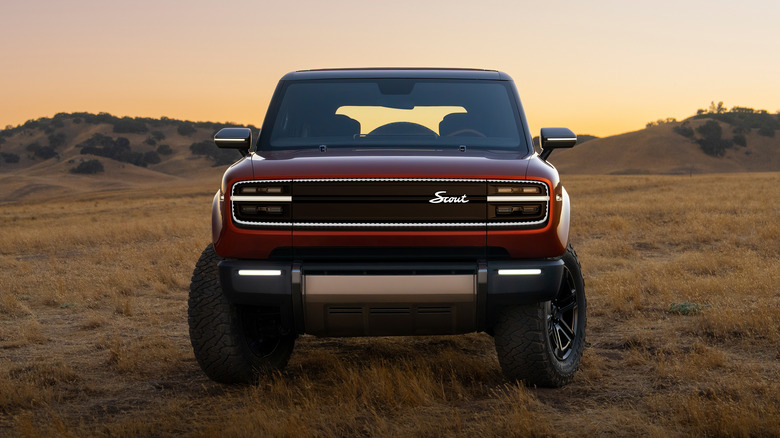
[[387, 73]]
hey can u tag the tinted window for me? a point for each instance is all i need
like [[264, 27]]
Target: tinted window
[[394, 113]]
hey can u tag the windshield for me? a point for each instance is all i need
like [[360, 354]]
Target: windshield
[[383, 113]]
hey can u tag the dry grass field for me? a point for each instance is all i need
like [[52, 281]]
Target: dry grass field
[[682, 275]]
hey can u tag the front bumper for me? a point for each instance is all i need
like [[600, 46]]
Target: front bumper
[[381, 299]]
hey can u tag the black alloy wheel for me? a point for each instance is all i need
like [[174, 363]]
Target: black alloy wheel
[[562, 318]]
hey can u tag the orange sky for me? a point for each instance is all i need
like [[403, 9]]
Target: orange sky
[[597, 67]]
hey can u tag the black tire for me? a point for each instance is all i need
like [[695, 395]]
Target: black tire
[[222, 333], [531, 340]]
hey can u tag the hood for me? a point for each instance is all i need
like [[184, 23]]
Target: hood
[[389, 164]]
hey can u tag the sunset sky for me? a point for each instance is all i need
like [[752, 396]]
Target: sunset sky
[[597, 67]]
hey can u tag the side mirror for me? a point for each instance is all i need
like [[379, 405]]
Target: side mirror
[[554, 138], [234, 138]]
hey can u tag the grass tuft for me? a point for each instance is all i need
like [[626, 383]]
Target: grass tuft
[[687, 308]]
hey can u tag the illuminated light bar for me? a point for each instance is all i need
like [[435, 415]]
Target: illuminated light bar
[[562, 139], [259, 272], [519, 271], [252, 198], [517, 198], [232, 139], [249, 190]]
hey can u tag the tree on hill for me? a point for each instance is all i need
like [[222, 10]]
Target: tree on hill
[[119, 149], [123, 143], [97, 139], [766, 131], [712, 143], [741, 127], [89, 167], [152, 157], [127, 125], [46, 152], [186, 129], [717, 109], [743, 119], [96, 119], [710, 130], [660, 122], [684, 129], [42, 152], [9, 158], [56, 140], [120, 125], [742, 109]]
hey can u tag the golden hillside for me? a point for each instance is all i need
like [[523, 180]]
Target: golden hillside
[[39, 157], [659, 150]]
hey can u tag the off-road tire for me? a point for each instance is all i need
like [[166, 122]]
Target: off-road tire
[[522, 334], [219, 331]]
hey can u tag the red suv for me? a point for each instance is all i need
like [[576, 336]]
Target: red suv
[[390, 202]]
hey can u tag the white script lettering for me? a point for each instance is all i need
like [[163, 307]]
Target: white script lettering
[[440, 198]]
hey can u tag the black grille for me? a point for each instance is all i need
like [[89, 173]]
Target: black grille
[[392, 202]]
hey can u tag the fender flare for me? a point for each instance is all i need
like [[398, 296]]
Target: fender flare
[[216, 217], [564, 223]]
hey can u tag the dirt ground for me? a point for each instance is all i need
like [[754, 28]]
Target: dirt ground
[[681, 275]]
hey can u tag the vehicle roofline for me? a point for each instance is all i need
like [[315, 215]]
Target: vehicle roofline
[[395, 72]]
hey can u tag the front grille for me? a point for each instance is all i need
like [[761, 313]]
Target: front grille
[[392, 203], [367, 204]]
